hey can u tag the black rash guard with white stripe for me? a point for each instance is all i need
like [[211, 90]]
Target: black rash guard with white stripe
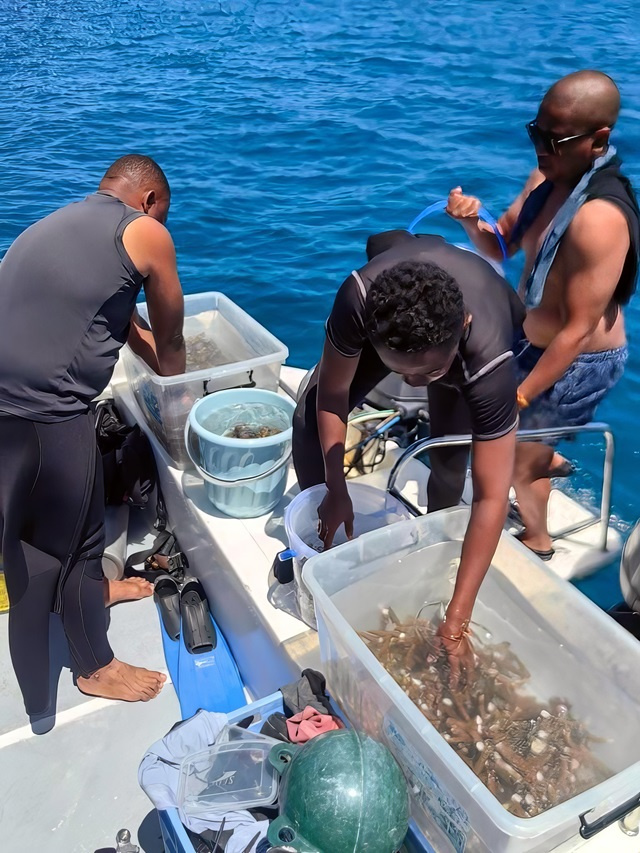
[[483, 369]]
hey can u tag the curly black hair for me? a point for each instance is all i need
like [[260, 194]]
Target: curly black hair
[[413, 307]]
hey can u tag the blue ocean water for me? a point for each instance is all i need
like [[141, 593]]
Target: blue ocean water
[[291, 131]]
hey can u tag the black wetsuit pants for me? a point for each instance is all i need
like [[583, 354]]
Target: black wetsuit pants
[[52, 539], [448, 415]]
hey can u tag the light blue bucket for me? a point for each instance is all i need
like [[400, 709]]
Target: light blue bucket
[[244, 477]]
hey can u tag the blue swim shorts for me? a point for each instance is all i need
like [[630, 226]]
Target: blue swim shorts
[[573, 399]]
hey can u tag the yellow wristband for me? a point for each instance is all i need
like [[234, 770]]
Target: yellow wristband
[[522, 401]]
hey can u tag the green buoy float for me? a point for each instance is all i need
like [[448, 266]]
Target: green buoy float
[[341, 792]]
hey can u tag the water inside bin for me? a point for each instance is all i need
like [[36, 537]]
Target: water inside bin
[[212, 341], [247, 421], [202, 352]]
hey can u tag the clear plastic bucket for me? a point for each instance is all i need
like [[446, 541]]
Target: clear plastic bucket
[[226, 348], [244, 477], [372, 509]]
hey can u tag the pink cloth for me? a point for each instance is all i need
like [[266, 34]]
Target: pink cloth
[[309, 724]]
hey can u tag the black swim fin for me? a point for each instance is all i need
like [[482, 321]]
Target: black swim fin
[[207, 673], [167, 597], [198, 631]]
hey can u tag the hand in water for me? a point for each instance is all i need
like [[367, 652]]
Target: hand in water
[[462, 206], [335, 510], [454, 644]]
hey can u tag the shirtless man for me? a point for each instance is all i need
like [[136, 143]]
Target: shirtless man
[[578, 274], [68, 288]]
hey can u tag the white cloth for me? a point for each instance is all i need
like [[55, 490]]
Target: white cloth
[[243, 835], [159, 775]]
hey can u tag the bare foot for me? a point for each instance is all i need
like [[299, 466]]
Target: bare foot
[[118, 680], [128, 589], [560, 467]]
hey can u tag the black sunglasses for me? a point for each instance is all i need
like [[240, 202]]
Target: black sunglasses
[[548, 141]]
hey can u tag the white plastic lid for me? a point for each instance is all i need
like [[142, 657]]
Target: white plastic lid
[[228, 776]]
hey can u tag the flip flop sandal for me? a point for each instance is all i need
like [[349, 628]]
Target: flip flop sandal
[[545, 556]]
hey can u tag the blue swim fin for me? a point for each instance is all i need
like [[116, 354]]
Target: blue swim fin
[[167, 598], [207, 673]]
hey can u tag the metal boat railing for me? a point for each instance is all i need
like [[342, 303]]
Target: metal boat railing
[[425, 445]]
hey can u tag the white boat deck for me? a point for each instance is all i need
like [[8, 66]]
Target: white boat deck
[[69, 791]]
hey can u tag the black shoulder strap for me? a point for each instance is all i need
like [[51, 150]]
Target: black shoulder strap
[[611, 185], [164, 554], [532, 206]]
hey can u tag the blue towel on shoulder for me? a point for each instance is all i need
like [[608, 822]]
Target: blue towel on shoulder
[[534, 287]]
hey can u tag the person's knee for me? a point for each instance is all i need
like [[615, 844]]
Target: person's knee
[[531, 462], [521, 472]]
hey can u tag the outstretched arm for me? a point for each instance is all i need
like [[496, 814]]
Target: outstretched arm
[[492, 474], [142, 342], [334, 383], [465, 209], [151, 249]]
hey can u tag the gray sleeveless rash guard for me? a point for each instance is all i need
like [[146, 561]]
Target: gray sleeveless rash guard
[[67, 293]]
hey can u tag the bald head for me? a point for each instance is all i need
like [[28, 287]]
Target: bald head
[[139, 171], [139, 182], [586, 99]]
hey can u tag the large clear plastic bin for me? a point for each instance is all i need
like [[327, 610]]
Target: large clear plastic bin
[[571, 647], [238, 350]]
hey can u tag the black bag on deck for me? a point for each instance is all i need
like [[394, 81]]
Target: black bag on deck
[[129, 467], [131, 476]]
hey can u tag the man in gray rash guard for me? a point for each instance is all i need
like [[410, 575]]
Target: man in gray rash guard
[[68, 288], [442, 317]]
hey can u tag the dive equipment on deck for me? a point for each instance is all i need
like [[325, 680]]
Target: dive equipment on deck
[[171, 648], [128, 463], [167, 597], [116, 527], [358, 794], [201, 667], [627, 613], [208, 677], [4, 595], [198, 632], [124, 843]]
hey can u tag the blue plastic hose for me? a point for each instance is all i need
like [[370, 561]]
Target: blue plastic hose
[[483, 215]]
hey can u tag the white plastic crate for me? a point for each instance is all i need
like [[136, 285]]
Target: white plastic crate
[[245, 354], [571, 647]]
